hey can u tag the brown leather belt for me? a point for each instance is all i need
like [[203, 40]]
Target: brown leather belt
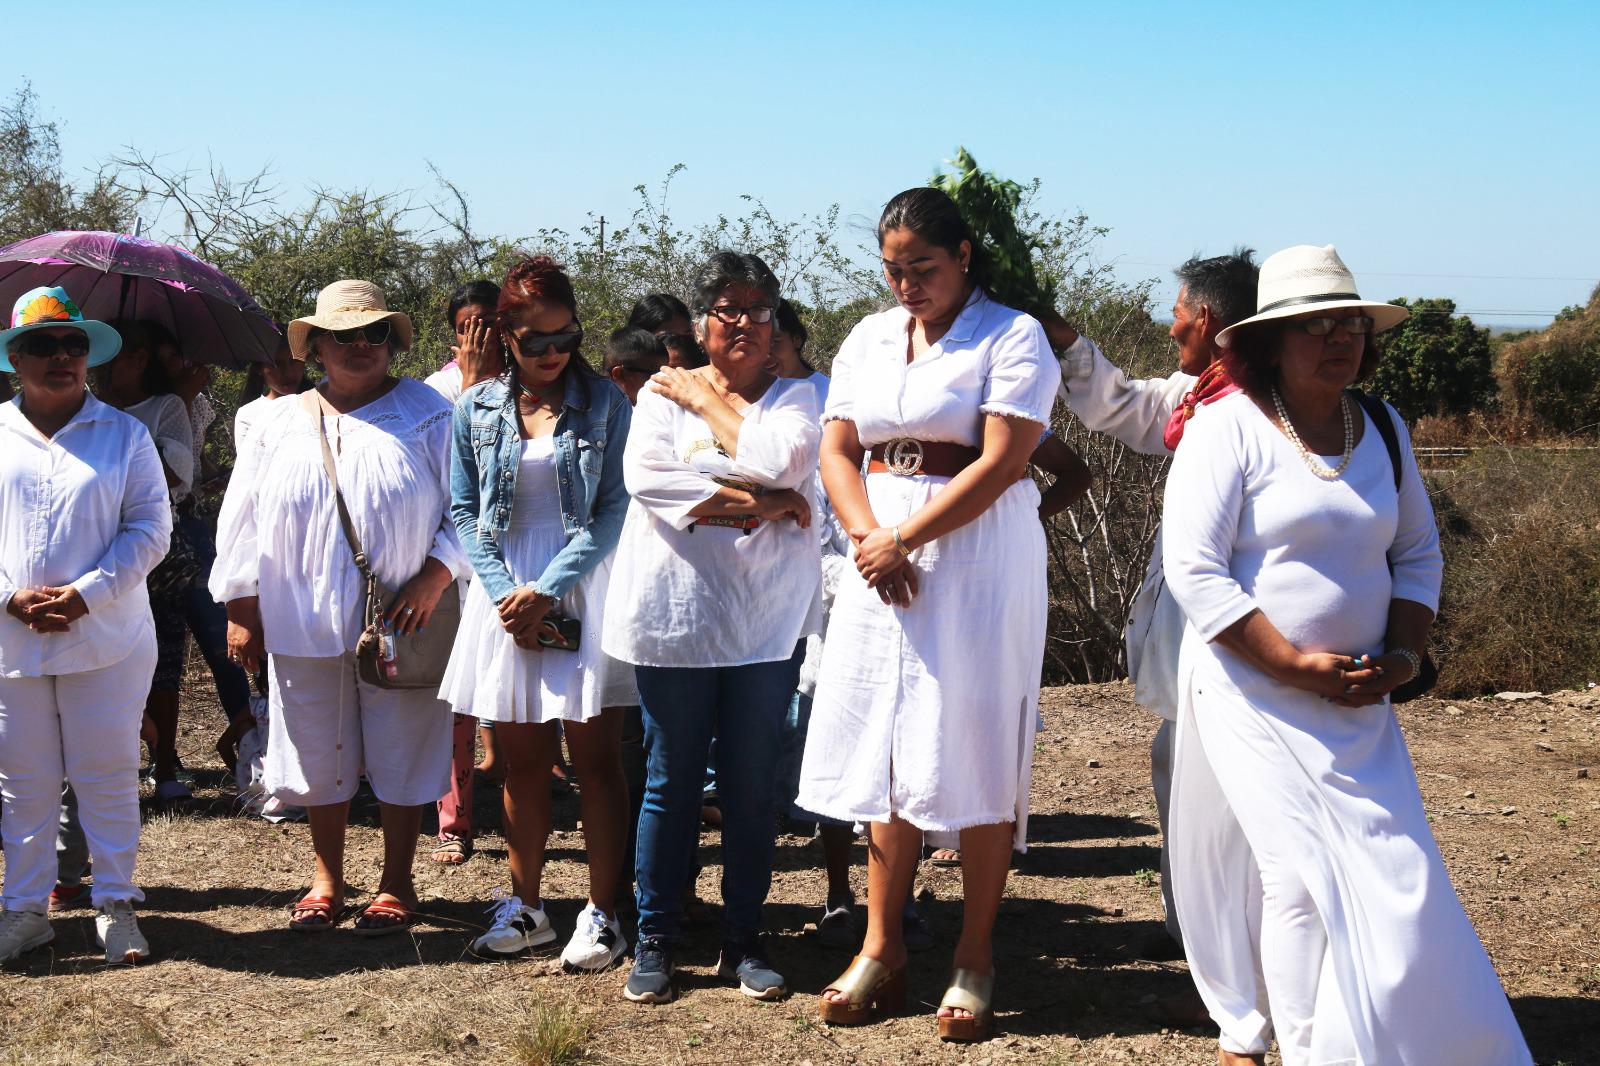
[[907, 456], [746, 522]]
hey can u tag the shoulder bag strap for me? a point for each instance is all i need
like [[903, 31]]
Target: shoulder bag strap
[[1380, 418], [311, 400]]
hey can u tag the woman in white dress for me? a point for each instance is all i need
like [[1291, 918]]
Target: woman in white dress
[[84, 517], [289, 578], [538, 498], [1310, 582], [947, 395]]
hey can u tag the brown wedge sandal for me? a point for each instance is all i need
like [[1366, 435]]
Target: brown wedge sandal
[[969, 991], [870, 988]]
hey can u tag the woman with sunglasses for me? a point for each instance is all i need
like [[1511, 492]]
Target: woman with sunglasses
[[942, 401], [84, 517], [715, 587], [1304, 554], [289, 578], [538, 497]]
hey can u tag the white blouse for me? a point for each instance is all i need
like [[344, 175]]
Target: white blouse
[[704, 596], [278, 536], [86, 508], [170, 427], [1247, 525], [992, 361], [248, 417]]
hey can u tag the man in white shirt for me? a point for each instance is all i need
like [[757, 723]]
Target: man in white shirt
[[1213, 294]]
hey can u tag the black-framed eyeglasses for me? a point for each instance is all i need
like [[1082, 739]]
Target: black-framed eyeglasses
[[531, 344], [1323, 325], [759, 314], [374, 333], [44, 345]]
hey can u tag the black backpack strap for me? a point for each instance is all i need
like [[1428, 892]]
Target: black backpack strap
[[1380, 417]]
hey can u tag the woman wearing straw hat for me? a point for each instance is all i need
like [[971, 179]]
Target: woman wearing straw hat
[[84, 517], [286, 570], [1307, 562]]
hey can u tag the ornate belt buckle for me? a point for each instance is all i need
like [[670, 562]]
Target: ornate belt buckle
[[903, 456]]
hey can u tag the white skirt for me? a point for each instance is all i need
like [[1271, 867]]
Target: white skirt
[[928, 712], [489, 677]]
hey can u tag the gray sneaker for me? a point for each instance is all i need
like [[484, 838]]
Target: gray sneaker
[[22, 931], [746, 962], [117, 930]]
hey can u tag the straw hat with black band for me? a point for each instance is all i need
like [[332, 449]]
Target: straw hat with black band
[[349, 305], [1307, 278]]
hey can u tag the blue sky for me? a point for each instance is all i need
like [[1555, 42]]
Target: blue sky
[[1425, 140]]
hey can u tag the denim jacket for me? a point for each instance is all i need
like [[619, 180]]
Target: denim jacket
[[486, 451]]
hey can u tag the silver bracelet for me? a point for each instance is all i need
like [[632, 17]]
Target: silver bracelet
[[899, 544], [1411, 657]]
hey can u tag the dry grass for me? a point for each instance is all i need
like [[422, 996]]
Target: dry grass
[[231, 985]]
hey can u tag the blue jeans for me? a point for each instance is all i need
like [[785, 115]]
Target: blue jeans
[[744, 706], [208, 621]]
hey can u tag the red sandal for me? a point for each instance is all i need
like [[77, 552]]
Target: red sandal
[[390, 916], [314, 914]]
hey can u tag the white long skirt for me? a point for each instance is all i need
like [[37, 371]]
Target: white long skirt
[[489, 677], [928, 712], [1366, 954]]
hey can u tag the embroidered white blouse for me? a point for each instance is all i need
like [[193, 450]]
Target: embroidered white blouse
[[704, 596], [86, 508], [278, 536]]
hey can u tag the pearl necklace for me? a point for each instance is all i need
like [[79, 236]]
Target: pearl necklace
[[1315, 465]]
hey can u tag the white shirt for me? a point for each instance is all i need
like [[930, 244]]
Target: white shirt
[[86, 508], [992, 361], [1248, 525], [819, 381], [278, 535], [712, 595], [170, 427], [1134, 411], [249, 416], [446, 382]]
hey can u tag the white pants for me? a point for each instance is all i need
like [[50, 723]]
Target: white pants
[[326, 728], [83, 727], [1161, 782]]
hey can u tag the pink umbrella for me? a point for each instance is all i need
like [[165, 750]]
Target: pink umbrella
[[117, 275]]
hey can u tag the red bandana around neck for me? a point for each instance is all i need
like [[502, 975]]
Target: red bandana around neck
[[1212, 385]]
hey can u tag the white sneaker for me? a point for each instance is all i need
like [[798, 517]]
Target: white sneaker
[[596, 944], [117, 930], [22, 931], [515, 929]]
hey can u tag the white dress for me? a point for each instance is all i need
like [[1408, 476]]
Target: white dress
[[928, 712], [490, 677], [1366, 954]]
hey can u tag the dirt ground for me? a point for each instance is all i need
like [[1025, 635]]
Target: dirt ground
[[1516, 814]]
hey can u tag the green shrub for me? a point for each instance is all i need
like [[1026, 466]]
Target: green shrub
[[1553, 376]]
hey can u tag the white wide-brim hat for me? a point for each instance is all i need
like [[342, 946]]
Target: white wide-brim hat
[[348, 305], [1307, 278]]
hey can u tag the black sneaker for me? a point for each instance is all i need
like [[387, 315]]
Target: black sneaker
[[748, 963], [650, 980]]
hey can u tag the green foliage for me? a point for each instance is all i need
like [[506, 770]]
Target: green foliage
[[1552, 378], [990, 205], [35, 196], [1435, 362]]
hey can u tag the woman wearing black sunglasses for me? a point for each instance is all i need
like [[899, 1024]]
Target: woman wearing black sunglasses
[[286, 571]]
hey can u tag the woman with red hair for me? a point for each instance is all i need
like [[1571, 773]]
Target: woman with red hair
[[538, 498]]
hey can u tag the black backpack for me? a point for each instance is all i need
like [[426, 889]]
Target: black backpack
[[1428, 676]]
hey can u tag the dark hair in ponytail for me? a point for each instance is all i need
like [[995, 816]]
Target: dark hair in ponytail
[[933, 216]]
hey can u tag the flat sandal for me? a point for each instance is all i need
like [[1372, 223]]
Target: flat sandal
[[870, 988], [969, 991]]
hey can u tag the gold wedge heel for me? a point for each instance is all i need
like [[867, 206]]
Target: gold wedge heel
[[969, 991], [870, 988]]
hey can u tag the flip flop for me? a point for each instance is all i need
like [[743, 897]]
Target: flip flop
[[945, 858], [393, 914], [315, 914], [452, 851]]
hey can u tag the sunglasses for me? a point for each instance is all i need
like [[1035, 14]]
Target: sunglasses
[[374, 334], [759, 314], [531, 344], [1323, 325], [43, 345]]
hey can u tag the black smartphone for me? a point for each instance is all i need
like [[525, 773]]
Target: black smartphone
[[559, 632]]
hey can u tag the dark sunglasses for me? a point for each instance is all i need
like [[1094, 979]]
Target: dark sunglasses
[[531, 344], [374, 334], [1323, 325], [43, 345], [758, 314]]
